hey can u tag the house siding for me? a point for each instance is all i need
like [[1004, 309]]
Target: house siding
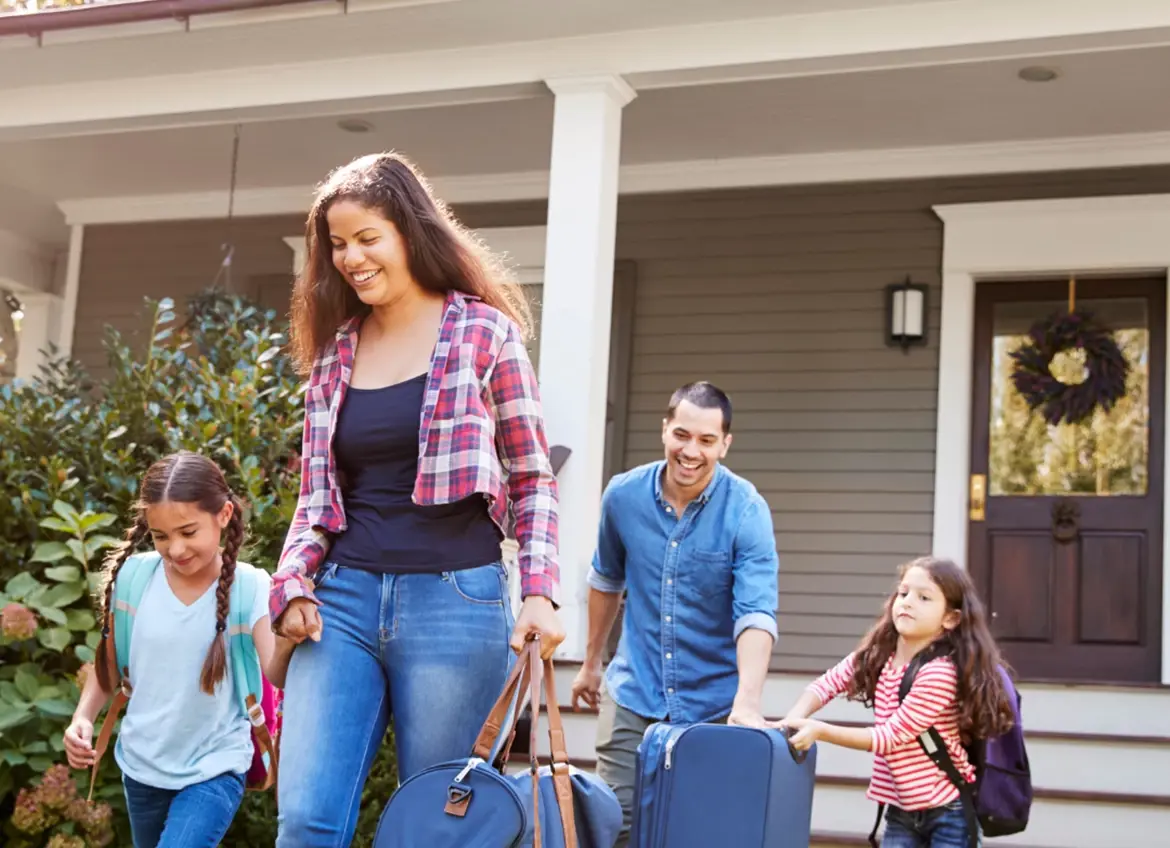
[[777, 296], [774, 294]]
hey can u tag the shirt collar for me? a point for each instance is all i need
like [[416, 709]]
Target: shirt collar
[[350, 326], [703, 497]]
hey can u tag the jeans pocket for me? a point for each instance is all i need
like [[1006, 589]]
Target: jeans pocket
[[324, 574], [481, 585]]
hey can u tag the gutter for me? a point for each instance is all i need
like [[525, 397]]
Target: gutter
[[129, 12]]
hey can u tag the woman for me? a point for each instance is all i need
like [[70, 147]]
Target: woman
[[422, 428]]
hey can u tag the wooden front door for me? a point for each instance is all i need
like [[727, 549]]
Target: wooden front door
[[1067, 550]]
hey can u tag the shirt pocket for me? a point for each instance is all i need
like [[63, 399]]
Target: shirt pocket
[[706, 573]]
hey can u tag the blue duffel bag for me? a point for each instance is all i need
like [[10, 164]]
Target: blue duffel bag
[[473, 803]]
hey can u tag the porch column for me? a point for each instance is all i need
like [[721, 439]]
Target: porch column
[[575, 317], [40, 314]]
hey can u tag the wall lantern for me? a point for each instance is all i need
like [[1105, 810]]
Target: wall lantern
[[906, 314], [15, 307]]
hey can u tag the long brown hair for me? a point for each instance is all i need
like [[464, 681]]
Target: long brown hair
[[984, 707], [442, 254], [182, 477]]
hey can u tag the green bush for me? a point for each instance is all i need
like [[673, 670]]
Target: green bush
[[72, 452]]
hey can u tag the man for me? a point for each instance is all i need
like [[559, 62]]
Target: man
[[691, 543]]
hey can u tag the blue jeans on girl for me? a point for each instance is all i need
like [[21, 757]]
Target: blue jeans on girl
[[196, 816], [942, 827], [429, 651]]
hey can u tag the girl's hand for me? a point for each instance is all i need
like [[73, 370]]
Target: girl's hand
[[300, 621], [79, 743], [808, 731], [537, 616]]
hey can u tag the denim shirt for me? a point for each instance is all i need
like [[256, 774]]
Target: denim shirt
[[694, 583]]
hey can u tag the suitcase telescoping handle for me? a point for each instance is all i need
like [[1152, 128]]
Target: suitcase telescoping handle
[[797, 756]]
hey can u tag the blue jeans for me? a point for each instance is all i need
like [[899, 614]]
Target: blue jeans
[[196, 816], [942, 827], [429, 651]]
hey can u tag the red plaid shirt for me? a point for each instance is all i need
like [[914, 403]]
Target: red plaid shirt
[[481, 432]]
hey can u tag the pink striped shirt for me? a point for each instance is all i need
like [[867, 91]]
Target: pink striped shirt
[[903, 775]]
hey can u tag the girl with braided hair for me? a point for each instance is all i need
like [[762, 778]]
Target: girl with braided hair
[[185, 743]]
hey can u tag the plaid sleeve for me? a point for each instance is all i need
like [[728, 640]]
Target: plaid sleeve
[[523, 450], [305, 546]]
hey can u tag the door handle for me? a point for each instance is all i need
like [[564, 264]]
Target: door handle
[[978, 508]]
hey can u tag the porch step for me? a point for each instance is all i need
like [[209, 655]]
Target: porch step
[[837, 806], [1092, 782], [1065, 762], [1049, 707]]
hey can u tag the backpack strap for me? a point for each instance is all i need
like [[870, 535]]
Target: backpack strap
[[876, 824], [935, 747], [133, 578], [247, 677]]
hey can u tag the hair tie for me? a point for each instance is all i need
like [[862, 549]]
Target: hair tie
[[220, 627]]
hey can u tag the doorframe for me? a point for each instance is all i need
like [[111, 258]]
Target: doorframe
[[986, 242]]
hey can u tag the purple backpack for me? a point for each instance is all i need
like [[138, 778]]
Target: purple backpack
[[1001, 797]]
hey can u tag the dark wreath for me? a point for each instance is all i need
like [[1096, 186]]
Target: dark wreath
[[1106, 366]]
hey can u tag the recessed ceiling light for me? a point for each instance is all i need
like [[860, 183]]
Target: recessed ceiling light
[[1038, 73], [355, 125]]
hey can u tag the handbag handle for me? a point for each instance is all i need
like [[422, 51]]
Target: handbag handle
[[559, 757], [532, 673]]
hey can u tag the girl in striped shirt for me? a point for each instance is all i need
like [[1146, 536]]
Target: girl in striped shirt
[[958, 691]]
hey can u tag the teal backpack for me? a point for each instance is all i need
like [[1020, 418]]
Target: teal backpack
[[256, 695]]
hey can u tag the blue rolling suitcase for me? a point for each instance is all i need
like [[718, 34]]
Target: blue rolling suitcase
[[710, 785]]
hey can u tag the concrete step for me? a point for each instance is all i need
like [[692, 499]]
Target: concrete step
[[1100, 782], [1074, 763], [842, 817], [1065, 822], [1049, 707]]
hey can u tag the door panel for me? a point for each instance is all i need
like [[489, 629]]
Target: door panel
[[1068, 549]]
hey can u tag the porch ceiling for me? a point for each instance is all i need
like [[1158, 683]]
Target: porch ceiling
[[1105, 93], [324, 31]]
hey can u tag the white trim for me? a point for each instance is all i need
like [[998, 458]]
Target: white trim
[[1114, 151], [68, 315], [701, 53], [986, 240], [297, 245], [25, 265], [522, 248]]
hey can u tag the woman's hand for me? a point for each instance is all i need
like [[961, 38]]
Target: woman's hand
[[537, 616], [79, 743], [300, 621]]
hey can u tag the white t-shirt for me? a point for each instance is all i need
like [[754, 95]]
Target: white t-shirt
[[173, 734]]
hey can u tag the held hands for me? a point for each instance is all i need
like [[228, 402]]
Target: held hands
[[587, 685], [537, 616], [79, 743], [300, 621]]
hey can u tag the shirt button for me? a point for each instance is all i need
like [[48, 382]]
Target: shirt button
[[669, 691], [669, 581], [668, 619], [669, 655], [674, 544], [668, 509]]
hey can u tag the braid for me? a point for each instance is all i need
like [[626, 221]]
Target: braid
[[215, 666], [106, 666]]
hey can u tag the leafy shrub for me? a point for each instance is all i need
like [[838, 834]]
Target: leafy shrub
[[72, 452]]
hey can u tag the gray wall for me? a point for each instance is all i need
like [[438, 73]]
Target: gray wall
[[775, 294]]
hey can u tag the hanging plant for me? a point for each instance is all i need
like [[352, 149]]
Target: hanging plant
[[1103, 376]]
